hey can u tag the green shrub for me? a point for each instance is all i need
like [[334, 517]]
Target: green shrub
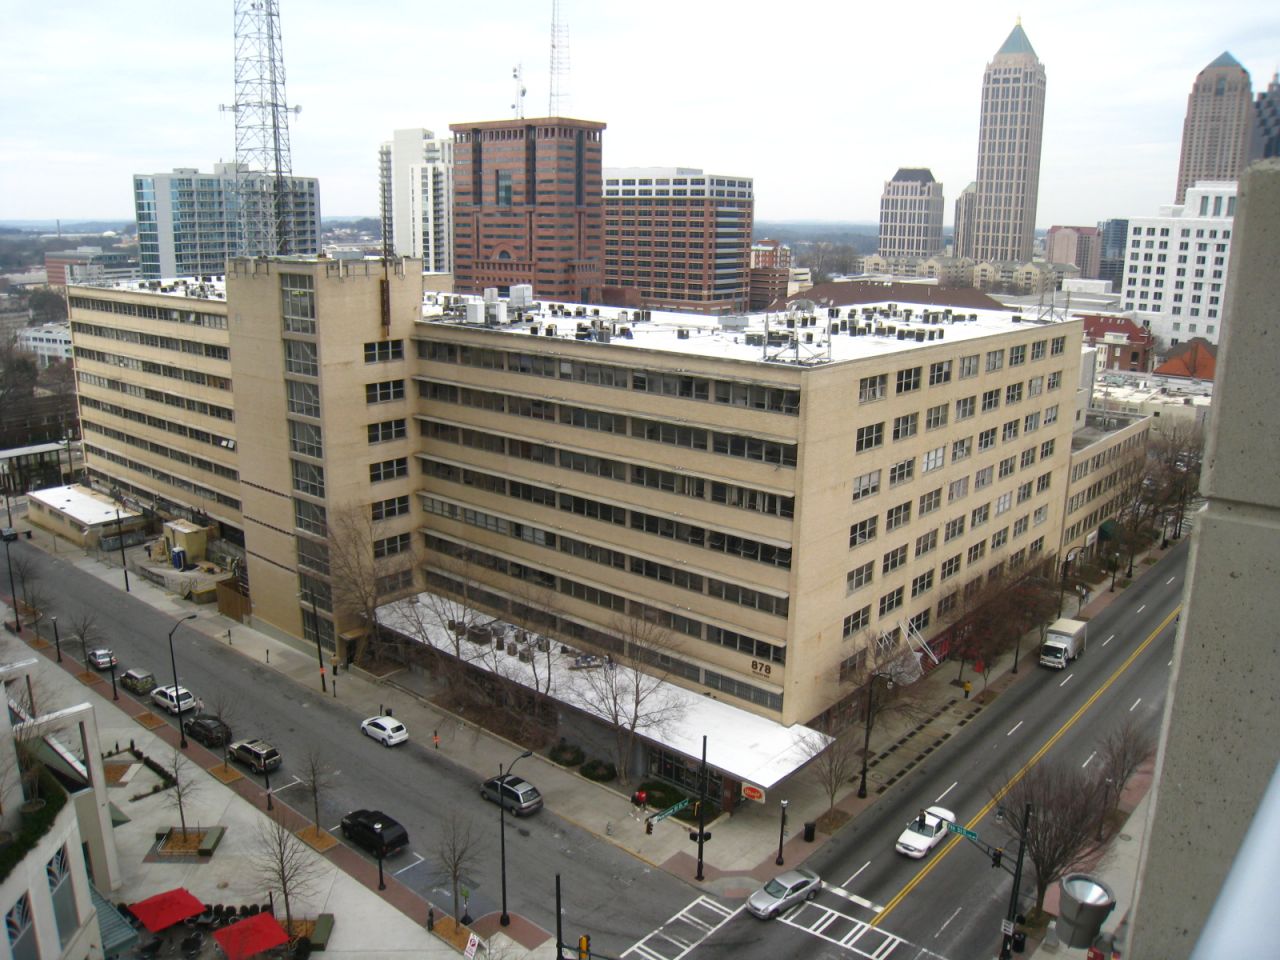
[[567, 754], [601, 771]]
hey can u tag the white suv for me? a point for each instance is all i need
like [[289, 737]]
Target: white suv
[[174, 699]]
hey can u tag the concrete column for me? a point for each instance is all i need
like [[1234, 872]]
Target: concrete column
[[1219, 744]]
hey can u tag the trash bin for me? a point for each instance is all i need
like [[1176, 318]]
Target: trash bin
[[1019, 941], [810, 831]]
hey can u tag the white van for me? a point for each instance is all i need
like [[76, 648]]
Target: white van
[[174, 699]]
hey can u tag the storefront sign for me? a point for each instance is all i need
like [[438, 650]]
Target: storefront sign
[[752, 793]]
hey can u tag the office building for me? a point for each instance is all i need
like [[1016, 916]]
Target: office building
[[1080, 246], [911, 215], [773, 254], [415, 180], [89, 265], [677, 238], [189, 224], [1266, 122], [1218, 129], [1176, 266], [49, 343], [962, 232], [1114, 241], [1009, 138], [528, 207]]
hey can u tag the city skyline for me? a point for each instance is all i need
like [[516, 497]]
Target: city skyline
[[816, 107]]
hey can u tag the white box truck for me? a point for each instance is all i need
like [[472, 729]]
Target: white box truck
[[1063, 642]]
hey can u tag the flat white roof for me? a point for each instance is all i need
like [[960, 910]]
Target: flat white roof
[[82, 504], [207, 287], [748, 747]]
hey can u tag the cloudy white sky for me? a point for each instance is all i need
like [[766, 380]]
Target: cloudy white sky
[[820, 101]]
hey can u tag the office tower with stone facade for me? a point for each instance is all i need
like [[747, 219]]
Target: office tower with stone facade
[[677, 238], [1266, 122], [1076, 245], [1009, 138], [415, 180], [911, 215], [1218, 129], [528, 207]]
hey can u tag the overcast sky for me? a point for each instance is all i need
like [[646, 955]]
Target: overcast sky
[[820, 101]]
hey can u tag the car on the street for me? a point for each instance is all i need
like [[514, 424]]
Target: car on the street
[[924, 832], [139, 680], [208, 730], [8, 533], [256, 754], [174, 699], [102, 658], [519, 797], [385, 729], [783, 892], [375, 832]]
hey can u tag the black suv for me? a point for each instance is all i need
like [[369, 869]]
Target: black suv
[[374, 830], [210, 731]]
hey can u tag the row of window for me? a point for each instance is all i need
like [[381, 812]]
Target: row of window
[[195, 491], [152, 340], [906, 426], [160, 450], [154, 369], [214, 321]]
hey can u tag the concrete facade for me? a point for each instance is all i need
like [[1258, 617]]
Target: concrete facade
[[1081, 246], [1218, 128], [1218, 747], [415, 189], [1108, 457], [911, 215]]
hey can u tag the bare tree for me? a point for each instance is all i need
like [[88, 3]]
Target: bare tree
[[456, 849], [1065, 806], [283, 863], [316, 775], [834, 762], [28, 696], [222, 707], [634, 698], [84, 627], [1124, 750], [360, 575], [184, 788], [27, 575]]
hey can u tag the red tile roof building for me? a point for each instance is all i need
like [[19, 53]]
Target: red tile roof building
[[1197, 359], [1123, 343]]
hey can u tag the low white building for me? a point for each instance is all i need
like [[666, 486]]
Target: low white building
[[1175, 273], [49, 342]]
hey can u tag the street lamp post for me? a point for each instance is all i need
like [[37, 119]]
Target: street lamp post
[[13, 592], [782, 832], [381, 851], [505, 918], [1115, 565], [182, 733], [866, 742], [266, 782], [57, 640], [114, 694], [123, 563], [1066, 570], [315, 624]]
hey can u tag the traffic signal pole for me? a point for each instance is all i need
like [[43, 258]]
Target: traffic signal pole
[[1006, 946], [702, 805]]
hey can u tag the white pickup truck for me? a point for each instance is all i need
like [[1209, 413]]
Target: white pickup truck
[[1063, 641]]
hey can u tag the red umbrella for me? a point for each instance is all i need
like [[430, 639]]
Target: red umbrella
[[165, 909], [259, 932]]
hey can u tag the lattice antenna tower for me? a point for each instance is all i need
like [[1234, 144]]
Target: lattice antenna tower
[[559, 61], [263, 164], [517, 103]]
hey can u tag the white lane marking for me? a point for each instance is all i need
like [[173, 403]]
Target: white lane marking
[[853, 897], [1087, 762], [1135, 704], [1170, 580], [1015, 727], [720, 913], [855, 875], [1169, 664], [1108, 640], [945, 792], [1141, 608], [1064, 682], [949, 919], [420, 859]]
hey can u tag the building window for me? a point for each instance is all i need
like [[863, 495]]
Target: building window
[[298, 303], [858, 620], [926, 542], [1018, 355], [958, 489], [308, 478], [387, 430], [1058, 346], [961, 449], [63, 894], [1037, 350], [935, 417], [933, 459], [1028, 458], [965, 407], [304, 438], [890, 601], [922, 584], [947, 604], [388, 469], [304, 398], [995, 360], [905, 426], [384, 392], [386, 509], [1004, 503], [866, 485], [1046, 449], [902, 472], [939, 373], [868, 438], [897, 516], [1050, 415], [977, 552], [859, 577], [999, 538], [930, 502], [383, 351], [864, 531], [968, 367], [21, 928], [990, 399], [1010, 431], [908, 380], [300, 358], [1035, 386], [872, 388], [950, 567], [987, 439], [983, 478], [390, 546], [980, 515], [1013, 393], [953, 529]]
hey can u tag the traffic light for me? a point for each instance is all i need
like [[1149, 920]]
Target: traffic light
[[648, 826], [584, 947], [996, 856], [693, 835]]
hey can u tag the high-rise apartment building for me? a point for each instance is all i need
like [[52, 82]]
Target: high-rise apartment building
[[1176, 268], [1077, 245], [189, 222], [911, 215], [1218, 128], [678, 237], [1266, 122], [528, 207], [415, 180], [962, 234], [1009, 137], [1114, 241]]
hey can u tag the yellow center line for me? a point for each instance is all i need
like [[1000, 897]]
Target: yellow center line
[[1036, 758]]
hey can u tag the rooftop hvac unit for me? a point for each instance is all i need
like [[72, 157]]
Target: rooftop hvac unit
[[902, 334], [627, 334], [808, 337], [973, 318], [920, 336], [551, 330], [835, 328], [931, 333], [682, 334], [1017, 318], [940, 333], [533, 329]]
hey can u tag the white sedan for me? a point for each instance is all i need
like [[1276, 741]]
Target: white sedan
[[386, 730], [924, 832]]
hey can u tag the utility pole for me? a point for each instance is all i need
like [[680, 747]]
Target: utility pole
[[702, 805], [1006, 947]]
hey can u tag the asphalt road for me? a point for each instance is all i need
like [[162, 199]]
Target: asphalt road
[[420, 788], [949, 905]]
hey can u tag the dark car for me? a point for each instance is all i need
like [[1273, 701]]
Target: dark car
[[210, 731], [375, 831], [8, 533], [256, 754], [520, 797]]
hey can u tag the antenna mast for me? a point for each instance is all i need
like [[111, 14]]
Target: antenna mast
[[517, 74], [559, 60], [263, 163]]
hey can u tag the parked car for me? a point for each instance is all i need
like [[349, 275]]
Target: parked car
[[138, 680], [102, 658], [210, 731], [520, 797], [386, 730], [258, 755], [374, 830], [784, 891], [924, 832], [8, 534], [174, 699]]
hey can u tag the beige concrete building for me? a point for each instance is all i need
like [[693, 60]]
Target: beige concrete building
[[1108, 456]]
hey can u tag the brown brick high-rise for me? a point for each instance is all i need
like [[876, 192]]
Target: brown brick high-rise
[[527, 207]]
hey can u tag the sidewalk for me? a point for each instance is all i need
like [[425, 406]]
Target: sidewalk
[[745, 845]]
